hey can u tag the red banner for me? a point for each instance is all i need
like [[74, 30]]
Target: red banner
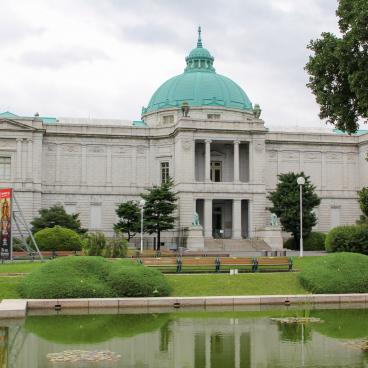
[[5, 223]]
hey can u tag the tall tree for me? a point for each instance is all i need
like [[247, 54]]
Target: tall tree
[[338, 69], [286, 204], [129, 218], [56, 215], [363, 203], [159, 209]]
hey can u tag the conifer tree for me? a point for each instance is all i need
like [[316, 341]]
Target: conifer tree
[[286, 204], [129, 218], [159, 209], [56, 215]]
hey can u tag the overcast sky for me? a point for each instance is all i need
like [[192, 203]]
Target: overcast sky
[[105, 58]]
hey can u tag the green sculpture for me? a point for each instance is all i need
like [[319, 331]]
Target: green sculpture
[[195, 221], [257, 111]]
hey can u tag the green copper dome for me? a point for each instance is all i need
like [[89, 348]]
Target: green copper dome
[[199, 85]]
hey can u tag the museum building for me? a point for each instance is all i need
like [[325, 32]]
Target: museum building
[[201, 129]]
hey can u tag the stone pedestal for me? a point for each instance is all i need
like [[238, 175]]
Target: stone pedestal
[[272, 236], [195, 240]]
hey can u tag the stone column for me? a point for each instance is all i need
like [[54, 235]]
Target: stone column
[[108, 165], [208, 218], [207, 161], [236, 161], [133, 167], [19, 158], [29, 159], [251, 233], [57, 164], [84, 164], [251, 166], [236, 219]]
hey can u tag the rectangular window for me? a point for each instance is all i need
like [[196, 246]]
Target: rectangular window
[[165, 174], [5, 163], [168, 119], [216, 171], [96, 216], [213, 116]]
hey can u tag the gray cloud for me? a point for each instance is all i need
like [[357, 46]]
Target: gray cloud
[[58, 58]]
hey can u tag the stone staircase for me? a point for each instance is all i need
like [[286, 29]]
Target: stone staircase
[[236, 245]]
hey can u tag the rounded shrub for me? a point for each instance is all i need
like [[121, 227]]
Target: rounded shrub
[[336, 273], [314, 241], [58, 238], [350, 238], [92, 277], [68, 277], [137, 281]]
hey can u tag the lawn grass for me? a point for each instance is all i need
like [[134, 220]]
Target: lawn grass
[[9, 287], [19, 267], [242, 284], [194, 285]]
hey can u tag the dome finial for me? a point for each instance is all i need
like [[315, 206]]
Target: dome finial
[[199, 42]]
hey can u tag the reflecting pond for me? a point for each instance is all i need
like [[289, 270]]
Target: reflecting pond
[[188, 338]]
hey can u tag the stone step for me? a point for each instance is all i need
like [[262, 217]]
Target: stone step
[[236, 245]]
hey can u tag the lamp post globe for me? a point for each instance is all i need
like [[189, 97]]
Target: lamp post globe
[[142, 203], [301, 181]]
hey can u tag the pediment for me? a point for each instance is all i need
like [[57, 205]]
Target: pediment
[[10, 124], [217, 154]]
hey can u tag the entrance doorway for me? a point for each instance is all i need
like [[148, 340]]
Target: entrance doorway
[[217, 227]]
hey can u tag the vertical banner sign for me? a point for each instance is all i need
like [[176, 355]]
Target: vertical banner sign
[[5, 223]]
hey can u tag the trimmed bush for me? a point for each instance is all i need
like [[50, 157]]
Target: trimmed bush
[[137, 281], [68, 277], [314, 241], [336, 273], [351, 238], [58, 238], [92, 277]]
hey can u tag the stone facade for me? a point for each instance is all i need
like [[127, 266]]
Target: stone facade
[[92, 165]]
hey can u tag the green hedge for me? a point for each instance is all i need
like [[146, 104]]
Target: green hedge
[[336, 273], [92, 277], [58, 238], [138, 281], [314, 241], [350, 238]]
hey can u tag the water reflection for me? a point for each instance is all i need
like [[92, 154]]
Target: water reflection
[[190, 339]]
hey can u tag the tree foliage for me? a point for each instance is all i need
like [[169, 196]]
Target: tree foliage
[[285, 201], [129, 219], [338, 69], [363, 202], [56, 215], [159, 209]]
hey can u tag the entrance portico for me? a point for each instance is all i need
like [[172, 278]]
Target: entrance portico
[[224, 218]]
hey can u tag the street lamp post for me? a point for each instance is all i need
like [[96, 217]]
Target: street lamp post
[[142, 204], [301, 182]]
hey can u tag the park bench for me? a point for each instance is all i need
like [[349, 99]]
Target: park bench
[[150, 253], [165, 264], [240, 263], [199, 264], [273, 263]]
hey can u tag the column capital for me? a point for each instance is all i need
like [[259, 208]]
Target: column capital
[[237, 141], [208, 141], [19, 139]]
